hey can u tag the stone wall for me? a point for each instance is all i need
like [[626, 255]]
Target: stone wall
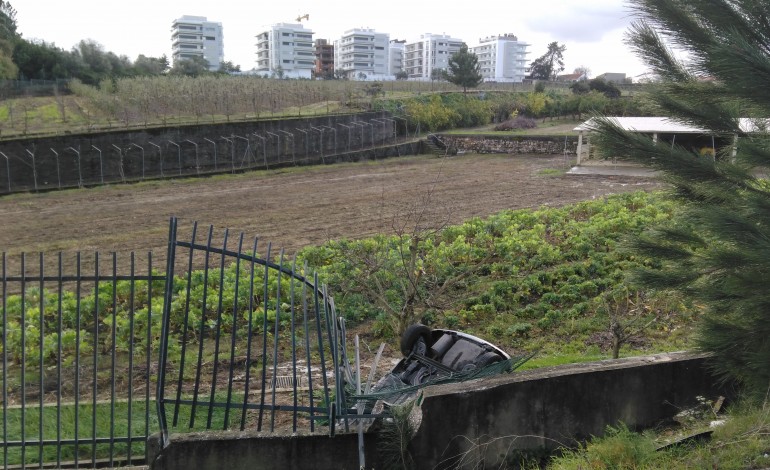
[[512, 144]]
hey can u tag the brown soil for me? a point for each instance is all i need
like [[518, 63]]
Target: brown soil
[[299, 206]]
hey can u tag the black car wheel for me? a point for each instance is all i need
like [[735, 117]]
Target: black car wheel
[[487, 358], [410, 340]]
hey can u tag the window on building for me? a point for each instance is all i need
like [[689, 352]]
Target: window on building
[[210, 38]]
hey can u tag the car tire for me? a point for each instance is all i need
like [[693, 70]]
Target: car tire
[[486, 359], [412, 335]]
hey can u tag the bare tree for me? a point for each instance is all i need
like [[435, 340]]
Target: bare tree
[[627, 311], [401, 274]]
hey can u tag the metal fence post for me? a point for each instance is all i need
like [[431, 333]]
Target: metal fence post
[[120, 163], [58, 174], [8, 172], [101, 162], [142, 149], [215, 151], [179, 155], [80, 173], [34, 169], [197, 166], [264, 149]]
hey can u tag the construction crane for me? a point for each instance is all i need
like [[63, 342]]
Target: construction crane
[[306, 16]]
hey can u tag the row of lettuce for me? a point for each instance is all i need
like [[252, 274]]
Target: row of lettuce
[[516, 275]]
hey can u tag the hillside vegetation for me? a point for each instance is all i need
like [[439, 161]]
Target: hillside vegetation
[[169, 101]]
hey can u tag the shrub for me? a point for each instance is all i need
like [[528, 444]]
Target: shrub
[[519, 122]]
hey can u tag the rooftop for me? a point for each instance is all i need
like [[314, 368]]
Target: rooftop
[[662, 125]]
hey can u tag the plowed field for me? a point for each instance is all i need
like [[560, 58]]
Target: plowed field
[[298, 206]]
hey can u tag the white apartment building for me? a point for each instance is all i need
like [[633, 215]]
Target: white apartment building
[[395, 57], [286, 50], [195, 36], [363, 54], [501, 58], [430, 52]]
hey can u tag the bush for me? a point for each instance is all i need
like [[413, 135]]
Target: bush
[[519, 122]]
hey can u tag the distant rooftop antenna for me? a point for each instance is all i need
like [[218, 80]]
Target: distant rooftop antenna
[[306, 16]]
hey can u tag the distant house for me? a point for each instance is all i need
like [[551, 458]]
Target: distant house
[[501, 58], [572, 77], [196, 36], [324, 59], [428, 53], [396, 57], [362, 54], [613, 77], [286, 50]]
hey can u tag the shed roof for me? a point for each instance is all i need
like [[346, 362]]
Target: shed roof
[[661, 125]]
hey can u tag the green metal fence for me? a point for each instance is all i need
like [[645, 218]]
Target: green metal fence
[[77, 355], [101, 351]]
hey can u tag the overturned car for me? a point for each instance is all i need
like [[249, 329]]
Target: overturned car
[[433, 356]]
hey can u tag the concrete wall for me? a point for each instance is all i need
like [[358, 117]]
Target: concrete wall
[[488, 420], [187, 150], [554, 407], [512, 144], [252, 451], [114, 157]]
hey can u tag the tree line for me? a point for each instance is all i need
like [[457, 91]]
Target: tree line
[[88, 61]]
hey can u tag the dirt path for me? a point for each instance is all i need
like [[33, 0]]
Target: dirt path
[[295, 207]]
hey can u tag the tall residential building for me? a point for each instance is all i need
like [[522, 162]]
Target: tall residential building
[[396, 57], [195, 36], [502, 58], [430, 52], [324, 59], [286, 50], [362, 54]]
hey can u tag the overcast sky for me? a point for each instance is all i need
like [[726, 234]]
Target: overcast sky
[[592, 31]]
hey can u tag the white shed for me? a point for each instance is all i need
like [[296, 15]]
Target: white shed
[[654, 126]]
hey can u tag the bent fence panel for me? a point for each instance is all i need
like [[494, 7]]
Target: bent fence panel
[[249, 339], [77, 342]]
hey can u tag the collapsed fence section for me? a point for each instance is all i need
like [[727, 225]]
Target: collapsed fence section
[[249, 340], [100, 352], [77, 360]]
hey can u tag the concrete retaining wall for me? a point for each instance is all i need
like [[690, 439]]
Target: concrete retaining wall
[[121, 156], [109, 157], [487, 420], [512, 144], [554, 407]]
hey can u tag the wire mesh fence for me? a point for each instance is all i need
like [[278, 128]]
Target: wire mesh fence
[[52, 164]]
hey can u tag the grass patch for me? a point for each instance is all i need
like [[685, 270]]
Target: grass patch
[[63, 426], [82, 421], [742, 442], [551, 172]]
